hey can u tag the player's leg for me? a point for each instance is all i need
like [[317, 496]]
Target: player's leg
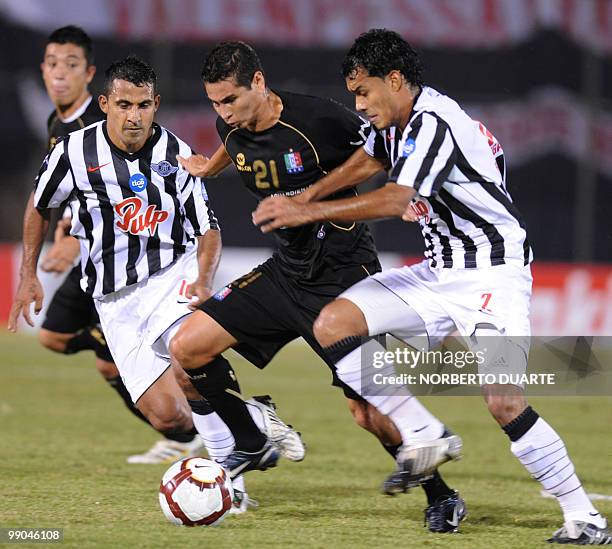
[[71, 325], [197, 348], [536, 444], [237, 317], [341, 327]]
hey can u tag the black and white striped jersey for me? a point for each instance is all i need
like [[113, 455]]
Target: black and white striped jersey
[[134, 214], [458, 170]]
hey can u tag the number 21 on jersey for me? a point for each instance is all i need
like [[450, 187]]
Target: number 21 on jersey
[[264, 173]]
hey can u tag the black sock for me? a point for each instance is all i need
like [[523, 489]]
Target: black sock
[[89, 339], [436, 488], [117, 384], [391, 449], [521, 424], [217, 383], [187, 436], [340, 349], [200, 407]]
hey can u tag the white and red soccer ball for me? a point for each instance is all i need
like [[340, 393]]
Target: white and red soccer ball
[[196, 492]]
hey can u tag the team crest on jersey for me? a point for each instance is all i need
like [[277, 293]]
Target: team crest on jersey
[[133, 222], [222, 293], [138, 182], [409, 147], [241, 163], [293, 162], [164, 168]]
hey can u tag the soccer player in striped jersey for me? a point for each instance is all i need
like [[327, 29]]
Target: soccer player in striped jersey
[[71, 322], [448, 172], [137, 217]]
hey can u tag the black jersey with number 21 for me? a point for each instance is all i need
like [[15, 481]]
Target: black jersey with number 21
[[312, 137]]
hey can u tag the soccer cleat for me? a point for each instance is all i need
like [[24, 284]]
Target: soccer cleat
[[577, 532], [239, 462], [416, 462], [241, 503], [283, 436], [399, 482], [168, 451], [445, 514]]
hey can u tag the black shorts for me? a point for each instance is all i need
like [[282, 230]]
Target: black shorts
[[264, 311], [72, 310]]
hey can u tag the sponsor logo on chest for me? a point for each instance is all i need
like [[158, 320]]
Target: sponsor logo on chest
[[133, 220]]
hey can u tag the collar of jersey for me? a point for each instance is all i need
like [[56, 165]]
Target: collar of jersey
[[149, 144]]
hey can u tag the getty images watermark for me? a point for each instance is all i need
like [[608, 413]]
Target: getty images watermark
[[461, 366]]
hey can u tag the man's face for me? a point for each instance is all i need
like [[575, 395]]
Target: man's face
[[130, 110], [65, 73], [237, 105], [374, 98]]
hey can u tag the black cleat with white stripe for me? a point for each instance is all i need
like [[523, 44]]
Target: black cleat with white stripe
[[445, 514], [239, 462]]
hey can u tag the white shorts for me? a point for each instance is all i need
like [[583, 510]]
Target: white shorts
[[446, 300], [138, 322]]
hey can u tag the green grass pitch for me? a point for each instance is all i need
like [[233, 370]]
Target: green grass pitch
[[65, 437]]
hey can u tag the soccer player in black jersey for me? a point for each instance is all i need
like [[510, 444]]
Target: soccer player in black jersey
[[280, 143], [71, 323]]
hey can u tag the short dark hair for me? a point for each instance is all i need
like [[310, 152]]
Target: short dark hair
[[380, 51], [131, 69], [73, 35], [235, 60]]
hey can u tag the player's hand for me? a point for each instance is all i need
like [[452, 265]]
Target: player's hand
[[409, 214], [197, 292], [196, 164], [29, 291], [276, 212], [64, 251]]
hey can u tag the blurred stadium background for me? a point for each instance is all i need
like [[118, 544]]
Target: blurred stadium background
[[537, 72]]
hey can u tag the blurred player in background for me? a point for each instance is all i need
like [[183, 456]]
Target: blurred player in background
[[280, 142], [71, 322], [449, 172]]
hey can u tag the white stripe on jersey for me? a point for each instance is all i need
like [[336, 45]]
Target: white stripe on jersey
[[126, 233], [457, 167]]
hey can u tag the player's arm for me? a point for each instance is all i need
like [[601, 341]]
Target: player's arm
[[53, 186], [358, 168], [280, 211], [64, 251], [29, 290], [209, 254], [201, 166], [200, 221]]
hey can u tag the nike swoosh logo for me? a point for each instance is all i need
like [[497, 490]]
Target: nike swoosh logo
[[594, 514], [91, 169], [419, 430], [455, 521]]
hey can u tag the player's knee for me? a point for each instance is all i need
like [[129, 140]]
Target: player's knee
[[107, 370], [182, 350], [52, 340], [337, 320]]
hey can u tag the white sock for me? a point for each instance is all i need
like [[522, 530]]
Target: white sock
[[544, 455], [218, 440], [414, 422]]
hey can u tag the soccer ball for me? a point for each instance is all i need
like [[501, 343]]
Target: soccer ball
[[196, 492]]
